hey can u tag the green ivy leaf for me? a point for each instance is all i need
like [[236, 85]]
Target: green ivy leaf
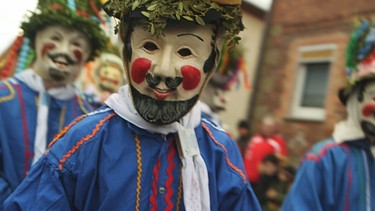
[[199, 20], [135, 5], [146, 14], [151, 7], [187, 18]]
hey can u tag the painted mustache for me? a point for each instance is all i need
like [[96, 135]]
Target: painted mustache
[[67, 58], [171, 83]]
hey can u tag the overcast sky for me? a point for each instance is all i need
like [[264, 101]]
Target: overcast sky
[[12, 12]]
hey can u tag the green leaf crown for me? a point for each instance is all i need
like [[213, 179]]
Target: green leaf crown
[[157, 13], [83, 15]]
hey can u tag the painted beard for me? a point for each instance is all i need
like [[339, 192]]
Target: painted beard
[[161, 111], [58, 74]]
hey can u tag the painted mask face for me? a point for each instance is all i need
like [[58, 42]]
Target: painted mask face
[[167, 73], [214, 96], [60, 54], [367, 110], [109, 77]]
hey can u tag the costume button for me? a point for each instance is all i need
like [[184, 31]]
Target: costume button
[[161, 190]]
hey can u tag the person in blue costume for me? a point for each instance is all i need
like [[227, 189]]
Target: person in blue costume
[[40, 101], [338, 173], [149, 148]]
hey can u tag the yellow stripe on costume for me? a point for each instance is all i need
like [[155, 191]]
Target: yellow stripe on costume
[[139, 171], [11, 95], [79, 99]]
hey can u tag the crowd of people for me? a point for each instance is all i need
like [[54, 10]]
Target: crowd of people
[[155, 142], [266, 162]]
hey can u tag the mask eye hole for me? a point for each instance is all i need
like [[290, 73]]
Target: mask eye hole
[[150, 46], [55, 38], [184, 52]]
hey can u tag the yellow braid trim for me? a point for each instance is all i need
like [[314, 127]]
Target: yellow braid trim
[[179, 193], [139, 171], [62, 117], [80, 103], [11, 95]]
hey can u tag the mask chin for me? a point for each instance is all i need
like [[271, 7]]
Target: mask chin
[[161, 112]]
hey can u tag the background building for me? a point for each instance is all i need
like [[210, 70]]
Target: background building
[[238, 97], [302, 67]]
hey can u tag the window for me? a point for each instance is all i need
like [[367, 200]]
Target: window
[[312, 82]]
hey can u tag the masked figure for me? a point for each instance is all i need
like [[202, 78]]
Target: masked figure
[[149, 148], [337, 173], [108, 78], [40, 101]]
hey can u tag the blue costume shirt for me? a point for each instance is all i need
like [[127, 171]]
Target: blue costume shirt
[[103, 162], [334, 177], [18, 121]]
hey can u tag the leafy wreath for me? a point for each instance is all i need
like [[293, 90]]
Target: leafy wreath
[[159, 12]]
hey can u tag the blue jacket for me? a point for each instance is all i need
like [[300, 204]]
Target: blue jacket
[[18, 118], [334, 177], [103, 162]]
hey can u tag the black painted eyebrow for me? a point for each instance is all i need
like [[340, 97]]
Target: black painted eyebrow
[[194, 35]]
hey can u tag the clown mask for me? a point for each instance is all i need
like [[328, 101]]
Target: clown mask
[[366, 108], [168, 72], [109, 77], [60, 54]]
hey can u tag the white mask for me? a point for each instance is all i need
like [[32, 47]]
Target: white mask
[[61, 54], [167, 73], [366, 110]]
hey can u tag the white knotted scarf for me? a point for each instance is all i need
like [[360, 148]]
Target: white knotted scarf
[[35, 82], [194, 170]]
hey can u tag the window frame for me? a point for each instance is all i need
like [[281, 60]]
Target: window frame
[[310, 113]]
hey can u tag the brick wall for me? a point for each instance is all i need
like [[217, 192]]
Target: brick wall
[[294, 24]]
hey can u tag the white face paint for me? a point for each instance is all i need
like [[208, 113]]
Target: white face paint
[[366, 110], [60, 54], [167, 73]]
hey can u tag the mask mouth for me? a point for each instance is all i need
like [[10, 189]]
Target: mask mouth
[[368, 128], [61, 60]]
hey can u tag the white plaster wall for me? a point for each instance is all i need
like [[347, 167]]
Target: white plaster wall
[[239, 97]]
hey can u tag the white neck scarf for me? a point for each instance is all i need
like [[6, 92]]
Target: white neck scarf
[[35, 82], [350, 129], [194, 170]]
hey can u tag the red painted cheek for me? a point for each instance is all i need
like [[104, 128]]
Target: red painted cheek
[[47, 47], [368, 110], [139, 69], [191, 77], [78, 55]]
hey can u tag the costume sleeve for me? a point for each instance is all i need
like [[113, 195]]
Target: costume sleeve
[[243, 200], [40, 190], [240, 196], [5, 190], [307, 191]]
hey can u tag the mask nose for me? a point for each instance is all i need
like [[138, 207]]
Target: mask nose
[[164, 67], [164, 72]]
